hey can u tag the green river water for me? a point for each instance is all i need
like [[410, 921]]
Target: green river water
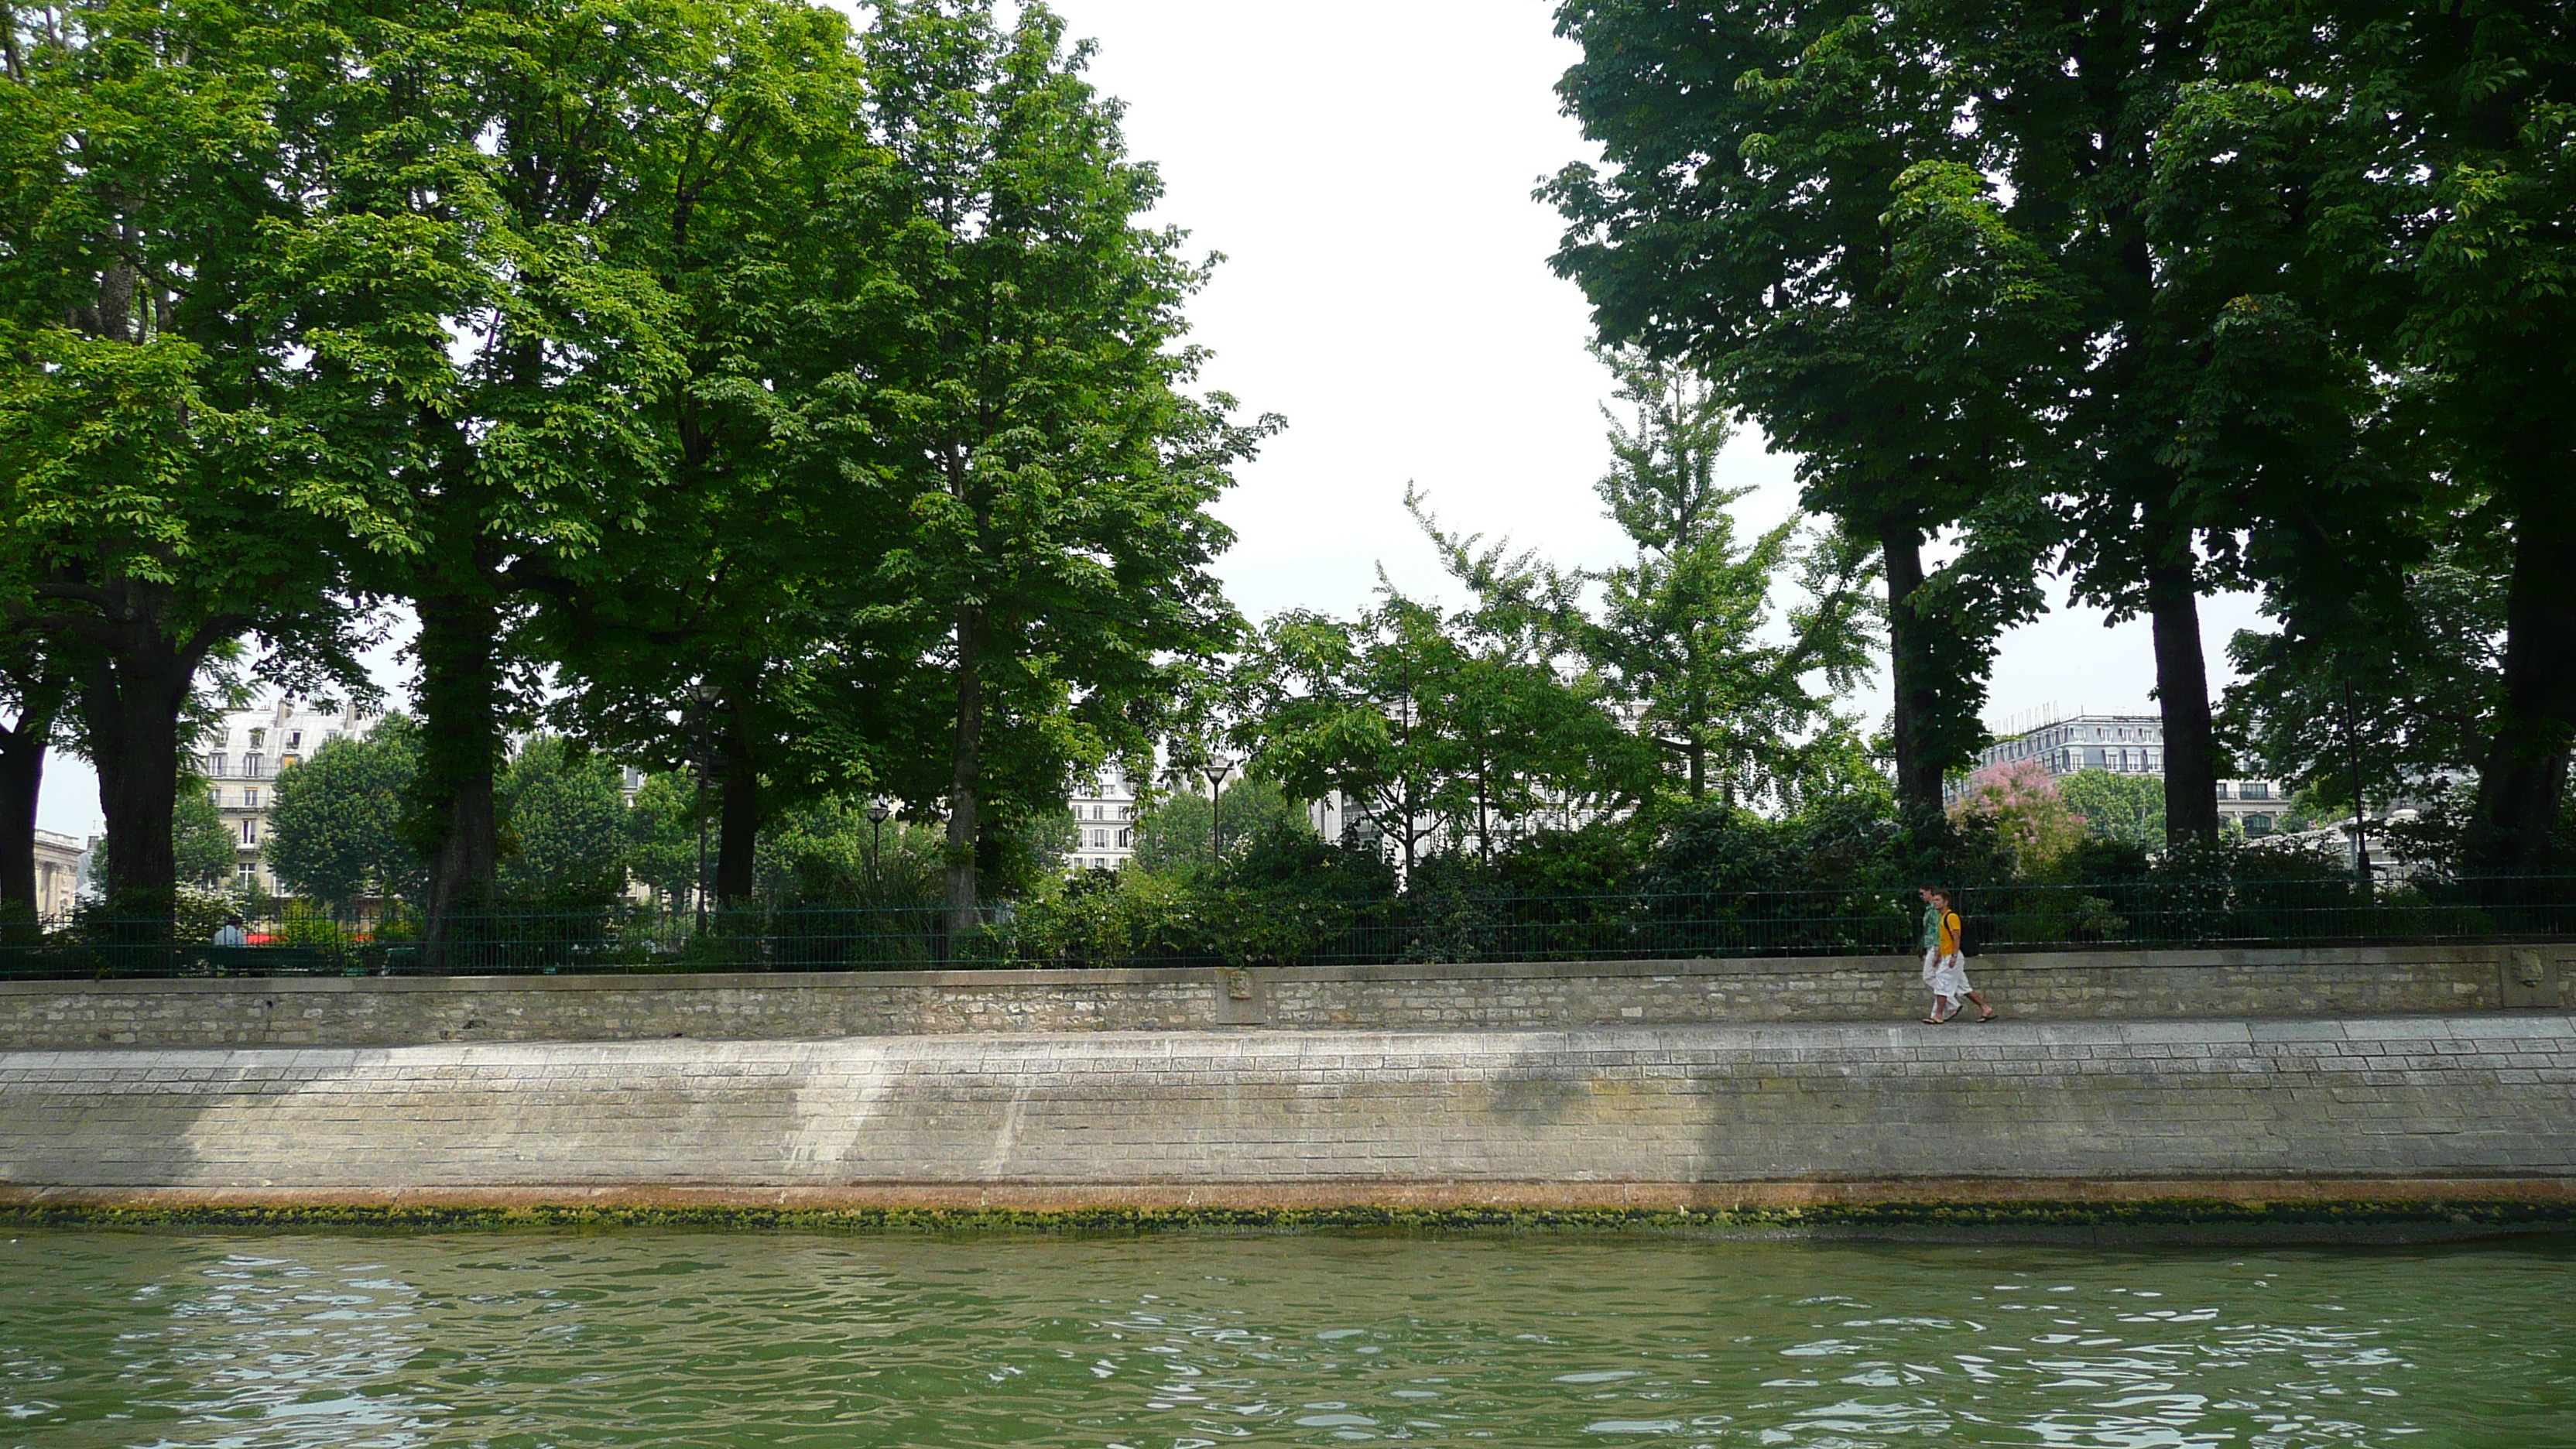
[[1203, 1339]]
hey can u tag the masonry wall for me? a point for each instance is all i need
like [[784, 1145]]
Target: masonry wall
[[1710, 1114], [2133, 985]]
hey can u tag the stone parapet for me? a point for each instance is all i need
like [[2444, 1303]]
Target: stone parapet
[[751, 1006], [2373, 1107]]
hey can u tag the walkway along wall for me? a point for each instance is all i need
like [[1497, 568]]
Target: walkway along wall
[[2437, 1073], [2109, 985], [2447, 1107]]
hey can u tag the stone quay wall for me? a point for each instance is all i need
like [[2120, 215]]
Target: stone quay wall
[[2067, 986], [2441, 1107]]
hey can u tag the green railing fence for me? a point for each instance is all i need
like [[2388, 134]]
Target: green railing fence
[[1259, 928]]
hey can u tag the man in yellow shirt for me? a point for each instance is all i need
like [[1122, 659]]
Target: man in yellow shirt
[[1943, 968]]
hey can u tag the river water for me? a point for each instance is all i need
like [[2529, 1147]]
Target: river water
[[1202, 1340]]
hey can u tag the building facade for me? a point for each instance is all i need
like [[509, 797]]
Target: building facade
[[60, 873], [2128, 744], [1104, 822], [243, 757]]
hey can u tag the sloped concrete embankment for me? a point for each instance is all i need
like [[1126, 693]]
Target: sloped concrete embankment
[[2372, 1108]]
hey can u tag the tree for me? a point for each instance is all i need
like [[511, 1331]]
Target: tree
[[744, 636], [1683, 632], [1771, 174], [335, 824], [489, 287], [2129, 808], [35, 685], [2445, 212], [163, 499], [1177, 831], [202, 849], [2404, 693], [567, 837], [1056, 477], [201, 844], [662, 834], [1435, 726], [2021, 804]]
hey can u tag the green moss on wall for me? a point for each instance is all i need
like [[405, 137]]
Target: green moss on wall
[[1901, 1217]]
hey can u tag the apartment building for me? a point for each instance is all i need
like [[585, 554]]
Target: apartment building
[[2128, 744], [1104, 820], [244, 755]]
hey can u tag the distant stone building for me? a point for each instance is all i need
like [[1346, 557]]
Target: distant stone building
[[243, 758], [2128, 744], [59, 874], [1104, 822]]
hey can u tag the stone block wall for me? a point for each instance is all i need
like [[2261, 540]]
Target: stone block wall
[[1673, 1115], [2075, 986]]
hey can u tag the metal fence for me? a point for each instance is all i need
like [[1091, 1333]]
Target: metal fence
[[1113, 929]]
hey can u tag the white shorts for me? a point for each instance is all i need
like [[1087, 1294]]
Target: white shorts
[[1946, 975]]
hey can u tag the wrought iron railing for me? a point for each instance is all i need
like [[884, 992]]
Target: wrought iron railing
[[1254, 927]]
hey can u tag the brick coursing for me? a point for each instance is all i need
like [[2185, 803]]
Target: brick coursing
[[2490, 1096], [1473, 997]]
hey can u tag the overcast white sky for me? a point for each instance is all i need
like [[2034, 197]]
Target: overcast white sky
[[1367, 168]]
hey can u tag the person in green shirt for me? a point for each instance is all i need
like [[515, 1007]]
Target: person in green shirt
[[1943, 968]]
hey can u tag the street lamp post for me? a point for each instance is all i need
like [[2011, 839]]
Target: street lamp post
[[704, 694], [1216, 766], [877, 814], [2352, 747]]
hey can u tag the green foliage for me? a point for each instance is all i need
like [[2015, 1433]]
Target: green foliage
[[201, 844], [830, 853], [1173, 833], [1785, 198], [2022, 805], [2114, 806], [1435, 724], [335, 823], [662, 836], [1687, 632], [567, 835], [1033, 424], [2402, 687]]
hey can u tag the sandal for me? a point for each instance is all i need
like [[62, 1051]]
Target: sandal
[[1936, 1021], [1989, 1016]]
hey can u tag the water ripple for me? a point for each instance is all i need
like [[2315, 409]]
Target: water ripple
[[1182, 1342]]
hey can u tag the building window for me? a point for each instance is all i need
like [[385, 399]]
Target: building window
[[1125, 839], [216, 796], [250, 799], [2255, 790], [215, 764], [248, 875], [258, 738], [250, 765], [250, 832], [295, 739], [2222, 789], [2258, 824]]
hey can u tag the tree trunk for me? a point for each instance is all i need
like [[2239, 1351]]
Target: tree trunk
[[1910, 674], [2182, 696], [965, 898], [131, 694], [455, 819], [738, 828], [22, 776], [2522, 786]]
